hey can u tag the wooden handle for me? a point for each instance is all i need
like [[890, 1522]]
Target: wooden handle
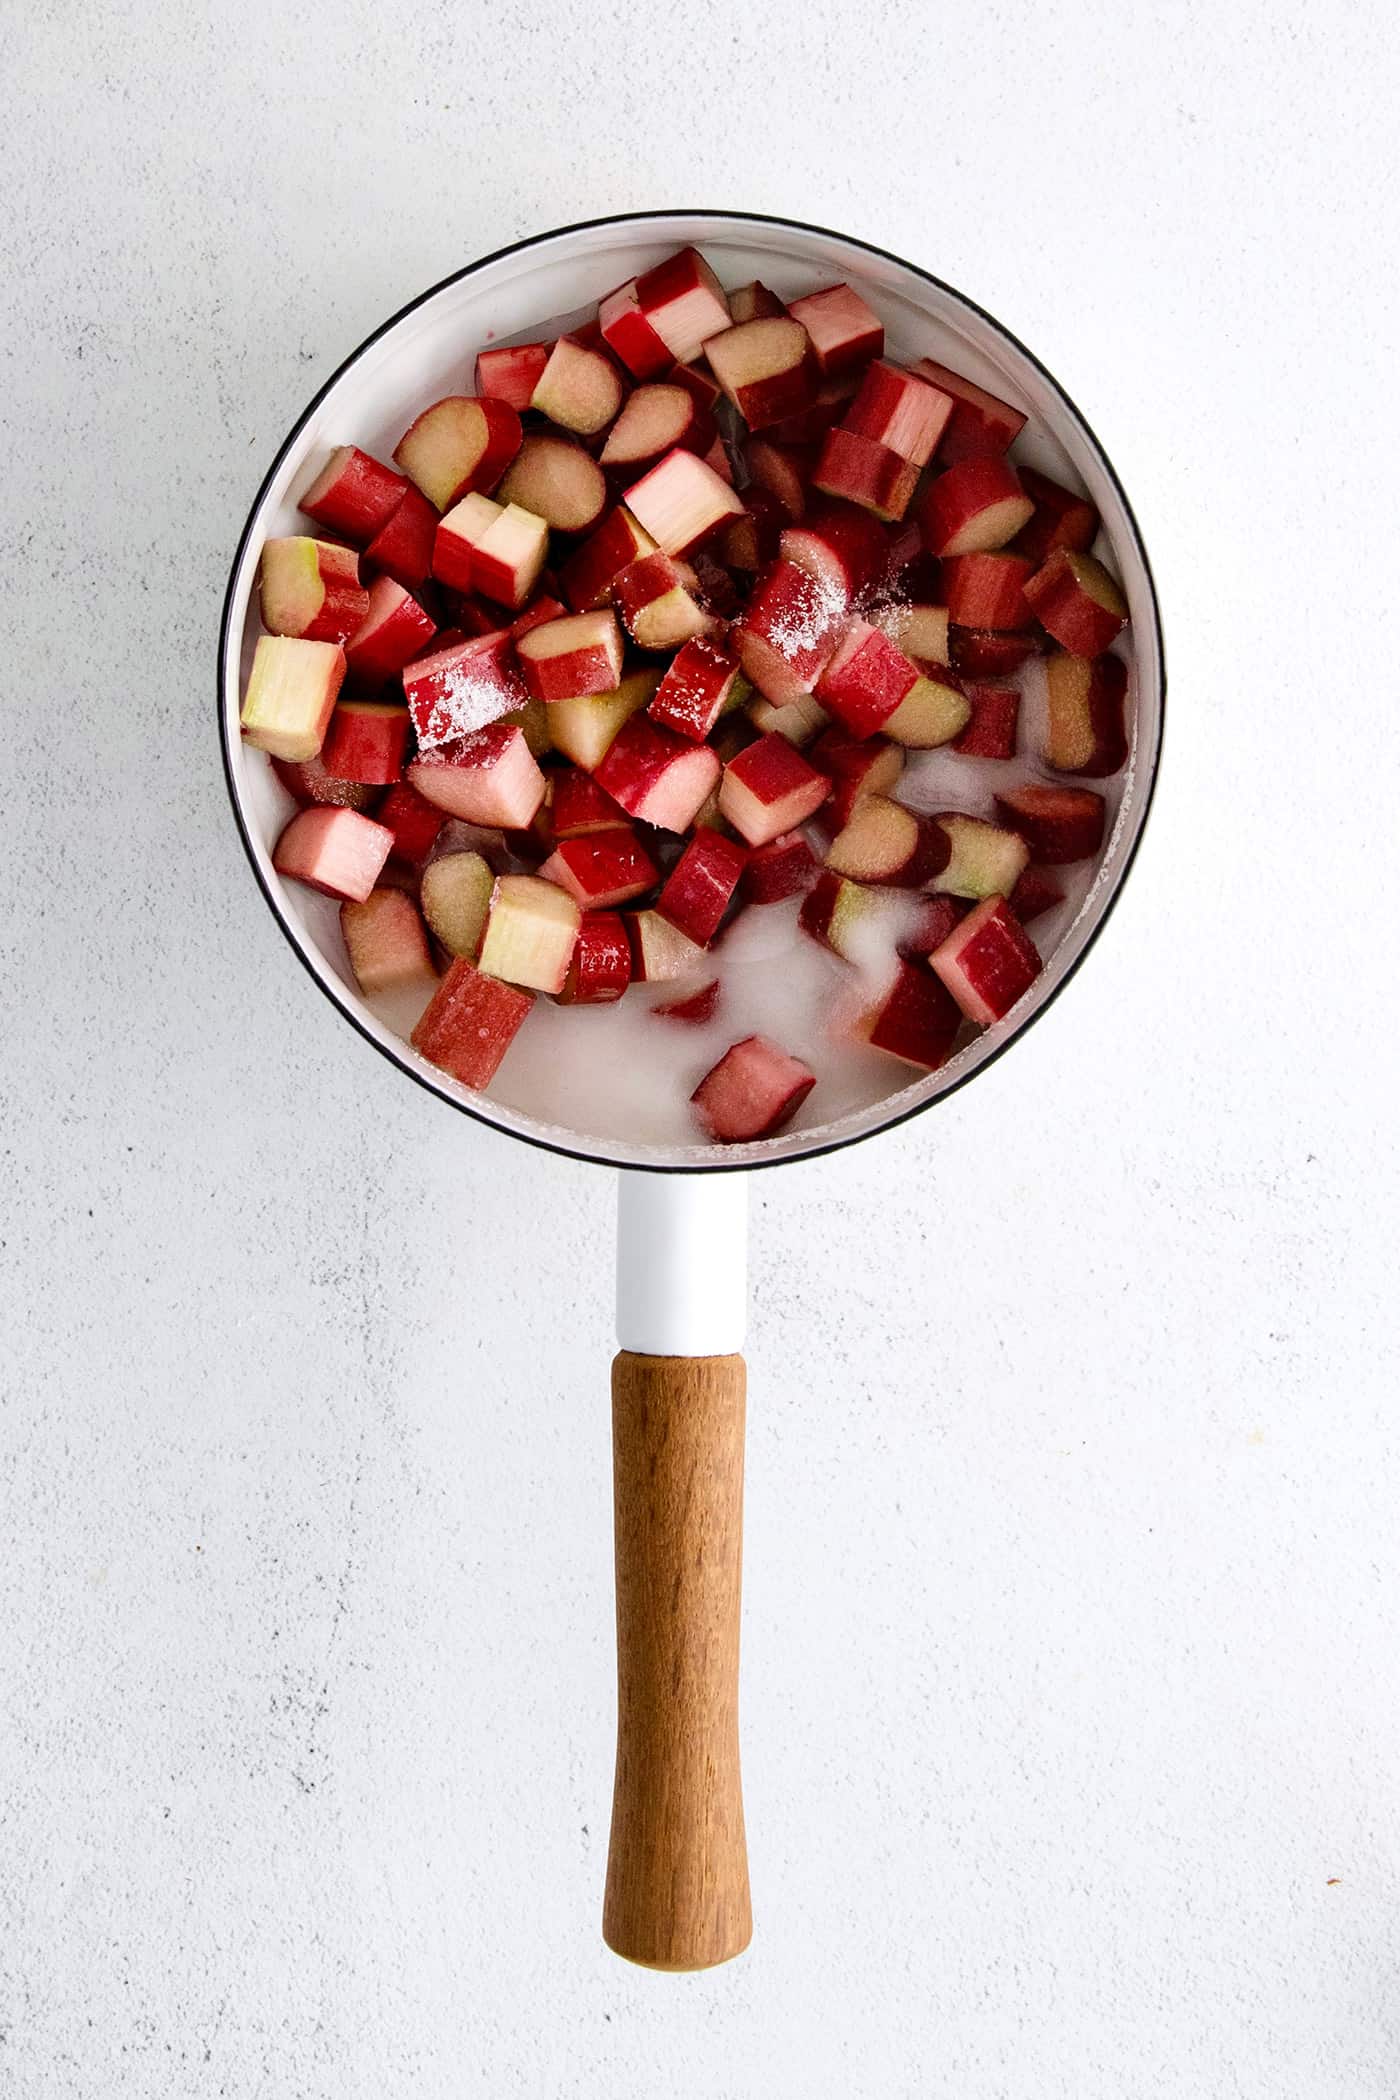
[[678, 1872]]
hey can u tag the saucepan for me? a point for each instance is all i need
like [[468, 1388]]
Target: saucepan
[[677, 1890]]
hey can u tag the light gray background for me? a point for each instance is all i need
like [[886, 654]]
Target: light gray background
[[1070, 1671]]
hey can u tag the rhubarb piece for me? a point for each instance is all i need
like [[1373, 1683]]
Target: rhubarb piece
[[353, 494], [750, 540], [841, 547], [591, 570], [531, 928], [488, 777], [695, 690], [844, 333], [987, 590], [751, 1093], [974, 507], [656, 420], [1060, 519], [979, 422], [311, 589], [937, 916], [291, 692], [1077, 602], [766, 369], [470, 1024], [308, 781], [883, 842], [601, 969], [457, 690], [657, 603], [991, 727], [865, 679], [658, 778], [694, 1010], [988, 961], [496, 549], [579, 654], [916, 1019], [540, 610], [337, 851], [782, 472], [603, 869], [660, 951], [798, 720], [982, 652], [856, 921], [825, 409], [511, 373], [785, 867], [699, 889], [366, 741], [788, 632], [414, 822], [921, 631], [584, 729], [394, 630], [682, 502], [754, 302], [1035, 892], [403, 546], [629, 334], [386, 944], [933, 711], [456, 897], [862, 470], [1058, 824], [683, 302], [579, 388], [533, 719], [899, 410], [699, 382], [555, 479], [1086, 732], [580, 806], [457, 445], [984, 860], [769, 788], [857, 766]]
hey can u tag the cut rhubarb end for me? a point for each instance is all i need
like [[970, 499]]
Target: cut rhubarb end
[[768, 789], [1086, 732], [584, 730], [700, 888], [531, 929], [933, 711], [754, 302], [682, 502], [916, 1020], [579, 389], [984, 859], [470, 1024], [655, 420], [336, 851], [974, 507], [603, 869], [844, 332], [292, 691], [488, 777], [1057, 824], [657, 603], [570, 658], [921, 631], [311, 589], [511, 374], [553, 478], [988, 962], [602, 966], [366, 741], [857, 766], [661, 953], [782, 472], [386, 944], [883, 842], [658, 778], [353, 495], [785, 867], [753, 1091], [979, 423], [766, 369], [457, 445], [1077, 602], [798, 720], [456, 897]]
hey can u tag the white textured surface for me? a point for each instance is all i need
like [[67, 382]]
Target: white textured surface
[[1071, 1630]]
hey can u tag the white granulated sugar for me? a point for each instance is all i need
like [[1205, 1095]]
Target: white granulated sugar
[[465, 700]]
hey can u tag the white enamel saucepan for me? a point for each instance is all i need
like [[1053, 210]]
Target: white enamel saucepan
[[677, 1887]]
